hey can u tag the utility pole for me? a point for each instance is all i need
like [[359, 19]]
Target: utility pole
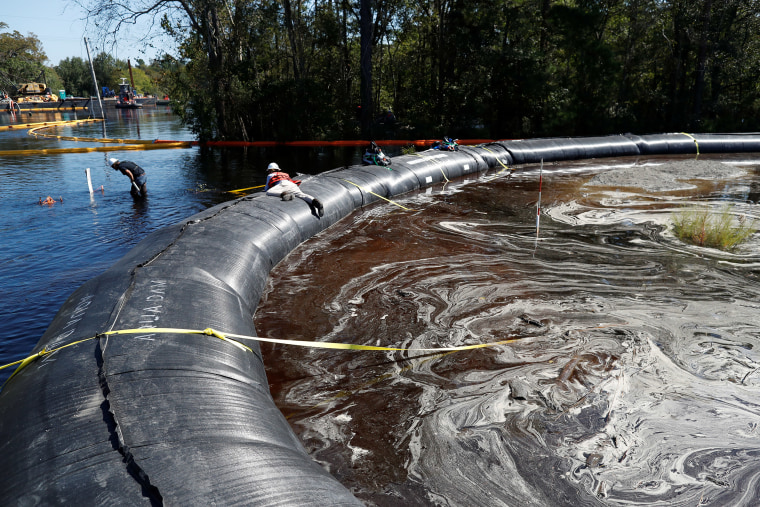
[[92, 71]]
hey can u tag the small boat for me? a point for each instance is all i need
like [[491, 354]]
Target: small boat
[[128, 104], [126, 98]]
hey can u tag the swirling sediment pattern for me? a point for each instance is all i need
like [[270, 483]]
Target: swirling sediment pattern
[[634, 373]]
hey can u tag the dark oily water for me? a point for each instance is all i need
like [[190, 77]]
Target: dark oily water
[[632, 375]]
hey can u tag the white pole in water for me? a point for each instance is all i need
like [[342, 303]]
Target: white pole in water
[[89, 181], [538, 205]]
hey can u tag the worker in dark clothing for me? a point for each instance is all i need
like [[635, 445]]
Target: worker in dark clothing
[[136, 175]]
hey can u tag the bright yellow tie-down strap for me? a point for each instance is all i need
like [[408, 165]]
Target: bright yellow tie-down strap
[[696, 143], [232, 338]]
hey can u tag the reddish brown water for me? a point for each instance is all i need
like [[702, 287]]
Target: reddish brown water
[[633, 375]]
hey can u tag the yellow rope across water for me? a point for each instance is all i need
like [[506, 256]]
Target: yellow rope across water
[[233, 338]]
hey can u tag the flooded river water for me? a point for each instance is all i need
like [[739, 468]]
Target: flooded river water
[[632, 373], [48, 251]]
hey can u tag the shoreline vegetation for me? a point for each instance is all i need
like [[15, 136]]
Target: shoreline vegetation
[[496, 69]]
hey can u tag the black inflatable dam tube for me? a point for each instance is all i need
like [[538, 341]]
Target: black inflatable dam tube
[[188, 418], [549, 150]]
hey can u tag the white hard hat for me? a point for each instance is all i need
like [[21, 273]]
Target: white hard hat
[[112, 161], [273, 167]]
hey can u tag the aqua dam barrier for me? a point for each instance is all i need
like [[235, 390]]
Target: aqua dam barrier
[[185, 418]]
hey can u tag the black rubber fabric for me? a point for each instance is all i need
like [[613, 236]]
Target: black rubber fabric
[[186, 418], [664, 144], [726, 143], [533, 151], [494, 155], [433, 166]]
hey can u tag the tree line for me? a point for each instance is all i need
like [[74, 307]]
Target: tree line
[[76, 77], [475, 68], [22, 60], [329, 69]]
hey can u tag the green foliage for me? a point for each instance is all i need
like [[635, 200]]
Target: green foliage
[[21, 58], [53, 80], [75, 74], [143, 84], [108, 70], [702, 227], [269, 69], [150, 78], [408, 150]]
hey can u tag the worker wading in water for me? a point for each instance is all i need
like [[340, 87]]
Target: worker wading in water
[[136, 175]]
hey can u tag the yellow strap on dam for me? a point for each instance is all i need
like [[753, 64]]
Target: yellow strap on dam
[[436, 163], [693, 139], [378, 195], [506, 168], [23, 363], [228, 337]]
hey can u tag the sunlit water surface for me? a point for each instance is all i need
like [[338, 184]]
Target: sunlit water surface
[[47, 251], [631, 376], [633, 371]]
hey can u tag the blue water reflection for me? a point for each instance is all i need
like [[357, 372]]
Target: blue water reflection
[[47, 251]]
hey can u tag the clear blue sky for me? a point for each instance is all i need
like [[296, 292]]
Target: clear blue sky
[[59, 26]]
